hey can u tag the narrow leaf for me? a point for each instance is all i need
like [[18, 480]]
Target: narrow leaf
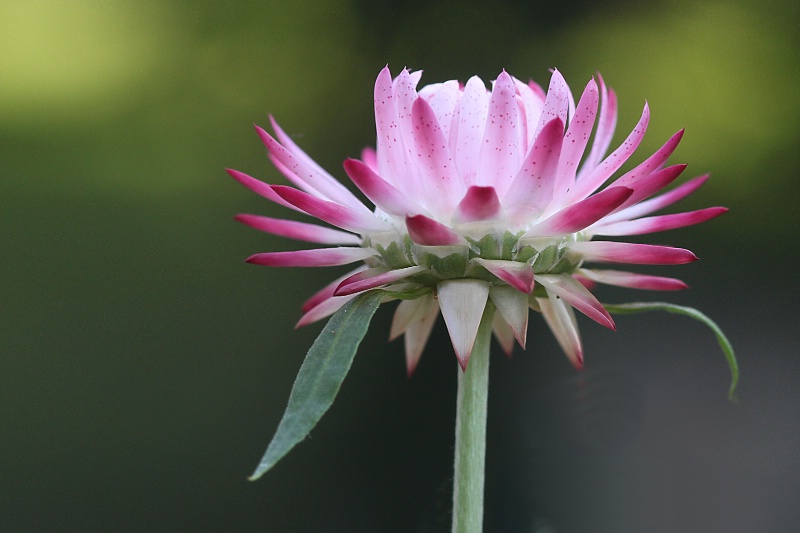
[[320, 376], [724, 343]]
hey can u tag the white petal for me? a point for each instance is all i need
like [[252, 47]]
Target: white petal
[[418, 332], [462, 302], [561, 319], [503, 334], [512, 305]]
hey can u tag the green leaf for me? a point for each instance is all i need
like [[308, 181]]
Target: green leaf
[[724, 343], [320, 376]]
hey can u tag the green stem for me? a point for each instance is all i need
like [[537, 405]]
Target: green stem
[[470, 453]]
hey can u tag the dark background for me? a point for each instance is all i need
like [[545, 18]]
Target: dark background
[[144, 368]]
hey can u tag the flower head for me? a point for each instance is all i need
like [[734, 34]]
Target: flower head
[[481, 195]]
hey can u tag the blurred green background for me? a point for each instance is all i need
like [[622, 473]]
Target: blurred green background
[[144, 367]]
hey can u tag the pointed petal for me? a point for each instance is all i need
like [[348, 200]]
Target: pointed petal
[[654, 204], [318, 257], [405, 94], [532, 105], [577, 296], [606, 125], [652, 163], [382, 193], [501, 150], [462, 302], [442, 98], [650, 184], [472, 113], [480, 203], [592, 181], [326, 292], [512, 305], [582, 214], [434, 161], [532, 189], [325, 309], [632, 253], [298, 230], [660, 223], [518, 275], [335, 214], [260, 188], [319, 180], [391, 160], [424, 230], [576, 138], [503, 333], [561, 320], [415, 320], [557, 103], [633, 280], [374, 277]]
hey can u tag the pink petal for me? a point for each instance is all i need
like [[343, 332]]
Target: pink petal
[[586, 185], [370, 158], [561, 320], [426, 231], [582, 214], [576, 138], [301, 156], [512, 306], [654, 204], [260, 188], [380, 192], [312, 258], [462, 302], [660, 223], [518, 275], [330, 212], [532, 105], [501, 149], [532, 189], [633, 280], [405, 95], [326, 292], [480, 203], [473, 110], [391, 153], [434, 162], [369, 279], [298, 230], [323, 310], [318, 180], [632, 253], [652, 163], [650, 184], [442, 98], [605, 129], [557, 103], [577, 296]]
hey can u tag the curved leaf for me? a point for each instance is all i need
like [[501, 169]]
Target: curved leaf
[[320, 376], [724, 343]]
